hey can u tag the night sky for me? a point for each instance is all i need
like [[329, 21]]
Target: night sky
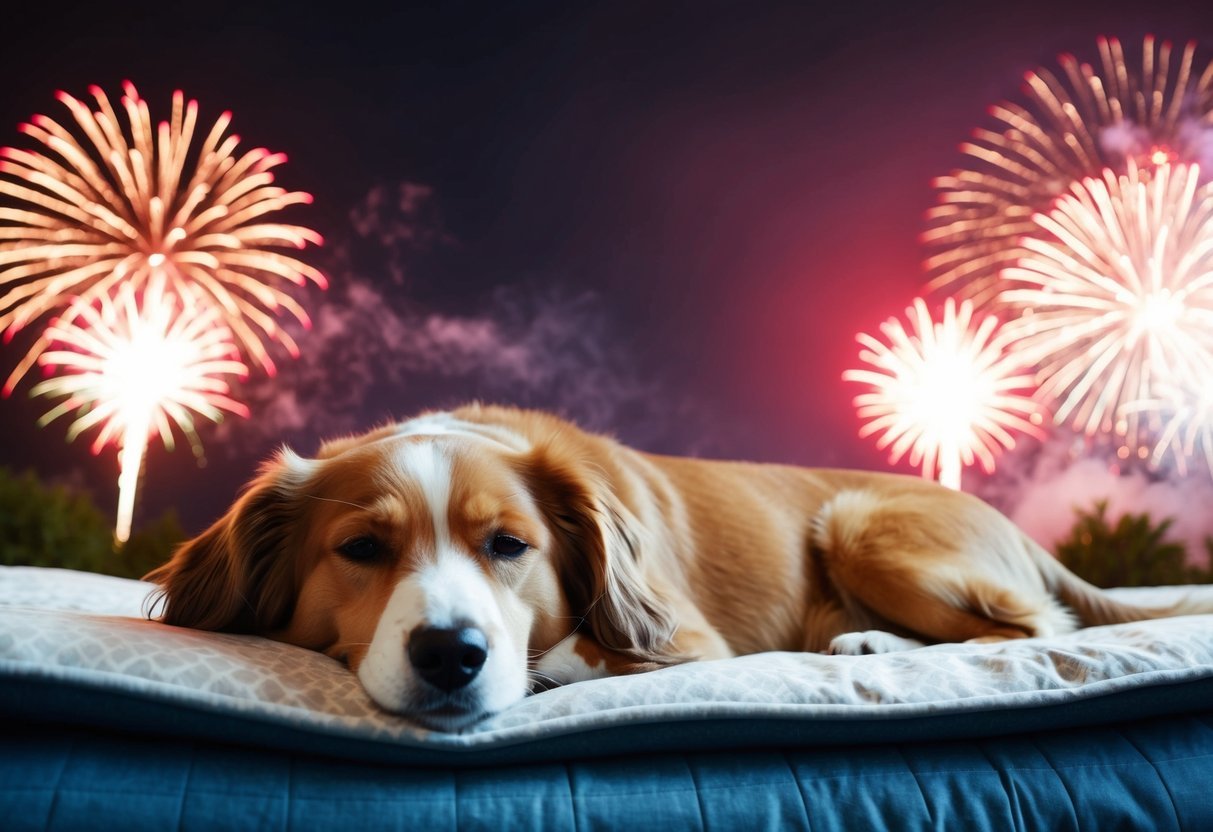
[[665, 220]]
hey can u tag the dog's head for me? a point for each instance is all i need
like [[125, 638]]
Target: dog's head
[[438, 559]]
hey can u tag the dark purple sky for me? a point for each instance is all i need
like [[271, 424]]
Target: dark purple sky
[[667, 220]]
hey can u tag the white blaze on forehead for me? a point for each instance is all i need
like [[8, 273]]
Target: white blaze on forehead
[[456, 593], [425, 464], [448, 590], [446, 424]]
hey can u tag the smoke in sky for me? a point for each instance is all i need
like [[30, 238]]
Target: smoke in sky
[[1125, 140], [1195, 138], [1191, 142], [1041, 488], [376, 353], [402, 222]]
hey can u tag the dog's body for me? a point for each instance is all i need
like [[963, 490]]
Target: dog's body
[[458, 558]]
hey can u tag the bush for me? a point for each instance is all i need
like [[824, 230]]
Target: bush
[[41, 526], [44, 525], [1133, 552]]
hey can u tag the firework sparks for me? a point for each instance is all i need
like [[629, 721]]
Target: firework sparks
[[946, 392], [134, 365], [1187, 431], [1073, 126], [104, 204], [1116, 293]]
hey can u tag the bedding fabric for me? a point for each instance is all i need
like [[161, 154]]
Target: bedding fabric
[[1150, 775], [1111, 726]]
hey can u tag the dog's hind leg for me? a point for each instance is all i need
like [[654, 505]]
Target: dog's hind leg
[[936, 566]]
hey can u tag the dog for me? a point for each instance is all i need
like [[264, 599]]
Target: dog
[[458, 560]]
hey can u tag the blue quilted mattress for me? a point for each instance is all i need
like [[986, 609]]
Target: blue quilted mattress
[[112, 721]]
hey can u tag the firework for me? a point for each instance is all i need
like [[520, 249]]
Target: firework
[[1116, 293], [1187, 430], [1073, 125], [945, 392], [134, 365], [102, 204]]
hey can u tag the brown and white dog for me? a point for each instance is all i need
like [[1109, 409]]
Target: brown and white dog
[[456, 560]]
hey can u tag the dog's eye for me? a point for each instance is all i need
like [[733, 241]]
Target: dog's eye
[[506, 546], [361, 549]]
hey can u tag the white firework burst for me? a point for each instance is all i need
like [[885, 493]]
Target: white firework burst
[[1071, 125], [1116, 296], [137, 364], [946, 392]]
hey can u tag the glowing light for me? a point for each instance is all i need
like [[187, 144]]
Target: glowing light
[[945, 393], [1116, 293], [1073, 125], [104, 203], [134, 365]]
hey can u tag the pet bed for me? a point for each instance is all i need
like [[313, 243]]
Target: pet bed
[[107, 716]]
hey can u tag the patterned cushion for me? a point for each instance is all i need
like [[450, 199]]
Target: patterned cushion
[[73, 645]]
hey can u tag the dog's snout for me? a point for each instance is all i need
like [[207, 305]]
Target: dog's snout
[[448, 658]]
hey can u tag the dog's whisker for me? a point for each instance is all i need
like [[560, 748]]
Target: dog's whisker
[[347, 644], [334, 500], [534, 679], [535, 674], [537, 654], [563, 639]]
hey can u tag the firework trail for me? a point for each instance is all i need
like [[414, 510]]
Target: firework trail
[[1116, 296], [103, 204], [945, 391], [1073, 125], [134, 365]]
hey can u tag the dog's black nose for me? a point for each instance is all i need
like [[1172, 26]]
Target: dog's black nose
[[448, 658]]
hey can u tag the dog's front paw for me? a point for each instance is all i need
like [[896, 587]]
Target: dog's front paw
[[870, 642]]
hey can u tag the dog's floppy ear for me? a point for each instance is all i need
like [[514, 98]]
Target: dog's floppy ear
[[599, 559], [235, 576]]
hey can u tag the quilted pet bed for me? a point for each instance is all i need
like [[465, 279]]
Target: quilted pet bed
[[107, 715]]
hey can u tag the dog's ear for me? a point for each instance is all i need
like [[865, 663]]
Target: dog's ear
[[599, 558], [235, 576]]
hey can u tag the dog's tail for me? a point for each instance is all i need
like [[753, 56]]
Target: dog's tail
[[1093, 606]]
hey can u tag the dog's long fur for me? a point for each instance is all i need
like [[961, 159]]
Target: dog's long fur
[[632, 561]]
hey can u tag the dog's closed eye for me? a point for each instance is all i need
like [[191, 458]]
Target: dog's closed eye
[[506, 546], [362, 549]]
